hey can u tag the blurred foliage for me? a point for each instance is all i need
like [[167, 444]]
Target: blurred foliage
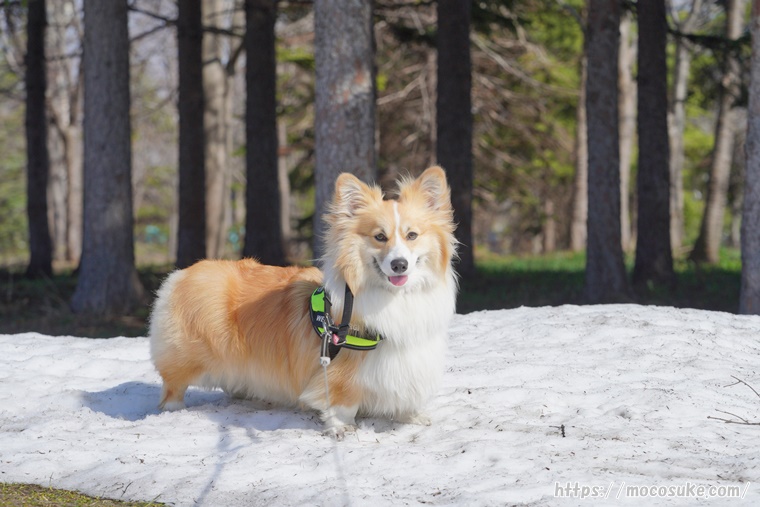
[[13, 228]]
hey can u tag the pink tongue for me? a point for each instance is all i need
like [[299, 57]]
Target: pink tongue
[[398, 281]]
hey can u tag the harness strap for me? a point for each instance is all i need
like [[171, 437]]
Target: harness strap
[[334, 337], [332, 348], [348, 308]]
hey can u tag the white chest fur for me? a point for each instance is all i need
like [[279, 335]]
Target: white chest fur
[[405, 370]]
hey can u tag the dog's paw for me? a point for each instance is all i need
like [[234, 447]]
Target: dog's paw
[[338, 432], [339, 420], [418, 419], [172, 406]]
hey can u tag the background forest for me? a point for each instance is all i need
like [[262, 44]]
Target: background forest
[[528, 96]]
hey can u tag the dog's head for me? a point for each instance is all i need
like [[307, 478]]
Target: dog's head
[[399, 244]]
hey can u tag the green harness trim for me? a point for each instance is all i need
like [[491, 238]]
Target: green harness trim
[[338, 335]]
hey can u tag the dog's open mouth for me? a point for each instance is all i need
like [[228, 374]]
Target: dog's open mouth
[[398, 281]]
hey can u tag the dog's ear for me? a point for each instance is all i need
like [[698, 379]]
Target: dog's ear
[[351, 195], [432, 185]]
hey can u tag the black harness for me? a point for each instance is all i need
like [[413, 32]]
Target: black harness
[[334, 337]]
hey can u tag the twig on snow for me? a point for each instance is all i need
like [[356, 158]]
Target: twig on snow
[[739, 419]]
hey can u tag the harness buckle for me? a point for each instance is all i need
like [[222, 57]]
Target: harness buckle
[[339, 334], [334, 337]]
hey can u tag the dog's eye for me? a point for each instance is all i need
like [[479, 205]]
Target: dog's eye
[[412, 236], [381, 238]]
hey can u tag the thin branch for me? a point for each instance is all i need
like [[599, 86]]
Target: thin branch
[[740, 381], [742, 421], [234, 57], [401, 4], [147, 33], [224, 31], [737, 416], [519, 74], [154, 15]]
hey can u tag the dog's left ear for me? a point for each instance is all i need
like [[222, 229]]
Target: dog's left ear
[[432, 185]]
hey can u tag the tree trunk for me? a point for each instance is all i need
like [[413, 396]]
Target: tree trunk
[[191, 240], [72, 136], [454, 119], [654, 259], [217, 120], [707, 247], [580, 180], [283, 172], [65, 132], [263, 230], [627, 105], [549, 227], [749, 298], [57, 195], [736, 180], [108, 283], [677, 123], [38, 159], [345, 99], [605, 273]]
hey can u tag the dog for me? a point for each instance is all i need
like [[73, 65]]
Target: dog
[[251, 329]]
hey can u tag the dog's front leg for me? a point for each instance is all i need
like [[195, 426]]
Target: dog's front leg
[[338, 404], [339, 420]]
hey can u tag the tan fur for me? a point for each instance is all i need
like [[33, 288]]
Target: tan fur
[[229, 319]]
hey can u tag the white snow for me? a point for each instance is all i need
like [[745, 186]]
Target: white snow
[[632, 385]]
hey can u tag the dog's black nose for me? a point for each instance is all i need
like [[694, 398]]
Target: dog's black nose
[[399, 265]]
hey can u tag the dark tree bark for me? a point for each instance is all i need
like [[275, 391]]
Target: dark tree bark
[[749, 299], [605, 272], [263, 229], [345, 99], [108, 283], [654, 259], [38, 159], [454, 119], [191, 232]]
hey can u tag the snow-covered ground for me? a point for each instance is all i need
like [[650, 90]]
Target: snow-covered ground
[[631, 386]]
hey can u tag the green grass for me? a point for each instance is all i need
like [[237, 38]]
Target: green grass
[[29, 495], [555, 279], [510, 282]]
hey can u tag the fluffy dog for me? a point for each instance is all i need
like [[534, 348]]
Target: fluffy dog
[[247, 328]]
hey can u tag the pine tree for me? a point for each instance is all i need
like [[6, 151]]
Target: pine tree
[[108, 283], [605, 273]]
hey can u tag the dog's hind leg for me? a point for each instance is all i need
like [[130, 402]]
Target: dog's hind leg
[[176, 381], [414, 418]]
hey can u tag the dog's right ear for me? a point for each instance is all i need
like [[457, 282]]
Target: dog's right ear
[[351, 195]]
